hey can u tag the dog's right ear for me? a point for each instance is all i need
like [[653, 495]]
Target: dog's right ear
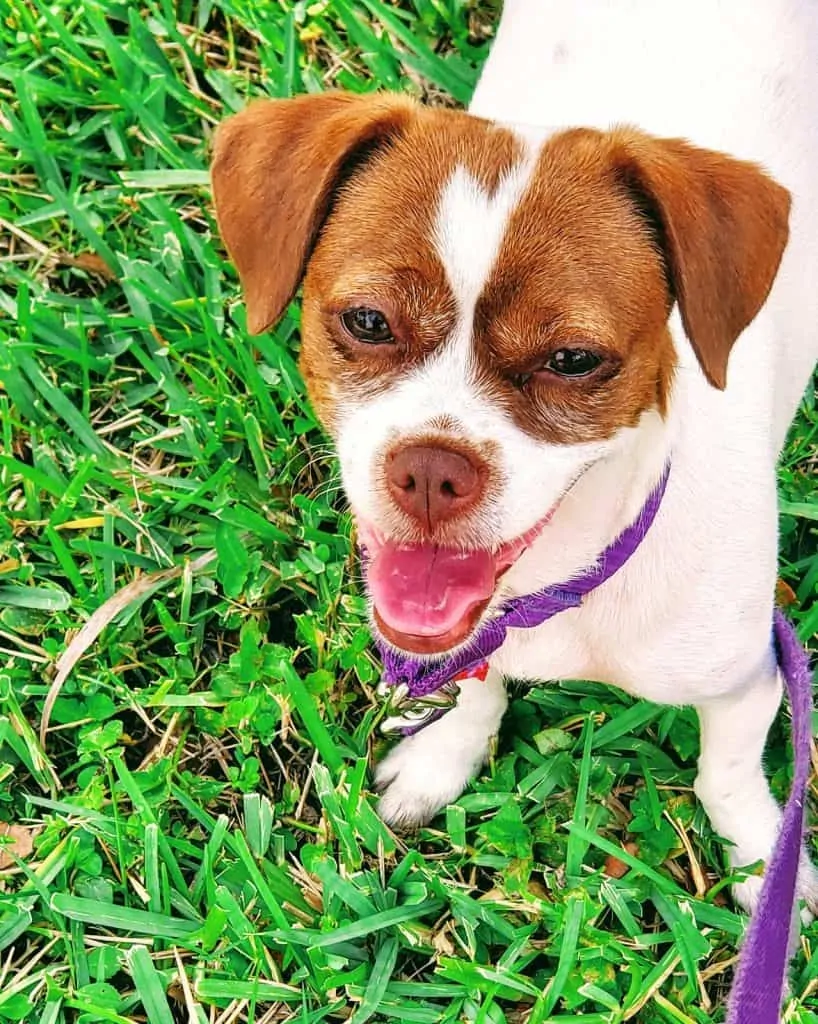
[[724, 227], [274, 169]]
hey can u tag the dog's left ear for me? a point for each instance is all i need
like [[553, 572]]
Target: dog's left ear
[[723, 225]]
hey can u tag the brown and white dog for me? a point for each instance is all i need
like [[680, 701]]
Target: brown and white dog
[[509, 329]]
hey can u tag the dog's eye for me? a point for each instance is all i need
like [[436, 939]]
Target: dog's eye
[[572, 362], [367, 325]]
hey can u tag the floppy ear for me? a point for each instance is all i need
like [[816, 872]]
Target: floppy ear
[[274, 169], [723, 225]]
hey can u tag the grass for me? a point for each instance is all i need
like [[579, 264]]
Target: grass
[[178, 599]]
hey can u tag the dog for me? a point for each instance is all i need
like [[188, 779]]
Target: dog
[[516, 318]]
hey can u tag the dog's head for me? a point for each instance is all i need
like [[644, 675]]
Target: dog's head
[[483, 318]]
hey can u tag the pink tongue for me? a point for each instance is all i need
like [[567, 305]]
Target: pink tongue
[[427, 590]]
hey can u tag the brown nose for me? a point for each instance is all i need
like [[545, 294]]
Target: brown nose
[[433, 484]]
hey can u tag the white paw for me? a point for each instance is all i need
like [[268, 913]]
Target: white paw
[[429, 770], [421, 775], [748, 893]]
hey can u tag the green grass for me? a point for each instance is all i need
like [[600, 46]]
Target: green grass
[[177, 585]]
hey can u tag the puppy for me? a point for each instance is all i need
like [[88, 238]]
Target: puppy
[[516, 318]]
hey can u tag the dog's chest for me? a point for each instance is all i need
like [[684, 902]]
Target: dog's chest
[[566, 648], [670, 660]]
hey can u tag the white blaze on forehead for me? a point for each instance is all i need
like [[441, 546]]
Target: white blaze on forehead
[[471, 224], [469, 229]]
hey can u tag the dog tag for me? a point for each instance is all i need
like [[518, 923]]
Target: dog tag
[[407, 715]]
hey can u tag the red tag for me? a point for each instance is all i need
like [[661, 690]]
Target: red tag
[[479, 672]]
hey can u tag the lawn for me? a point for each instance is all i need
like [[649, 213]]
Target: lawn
[[187, 707]]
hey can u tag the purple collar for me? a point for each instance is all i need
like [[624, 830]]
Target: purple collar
[[420, 678]]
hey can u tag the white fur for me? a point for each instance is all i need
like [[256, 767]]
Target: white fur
[[469, 230], [688, 619]]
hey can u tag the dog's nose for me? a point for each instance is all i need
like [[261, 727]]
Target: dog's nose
[[432, 483]]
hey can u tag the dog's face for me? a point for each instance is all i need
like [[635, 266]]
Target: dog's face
[[484, 318]]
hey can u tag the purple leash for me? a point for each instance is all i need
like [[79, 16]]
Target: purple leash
[[758, 989]]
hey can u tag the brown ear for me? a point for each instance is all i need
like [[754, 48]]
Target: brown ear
[[274, 169], [723, 225]]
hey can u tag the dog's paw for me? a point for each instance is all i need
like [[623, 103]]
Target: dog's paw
[[429, 770], [423, 774], [747, 893]]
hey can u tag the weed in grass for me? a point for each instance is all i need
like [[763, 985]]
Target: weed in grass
[[178, 602]]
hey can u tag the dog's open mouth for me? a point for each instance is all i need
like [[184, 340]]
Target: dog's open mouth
[[426, 598]]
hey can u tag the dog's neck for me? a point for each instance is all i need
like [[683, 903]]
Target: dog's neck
[[414, 680], [599, 506]]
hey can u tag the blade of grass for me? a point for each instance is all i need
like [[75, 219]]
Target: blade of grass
[[149, 987]]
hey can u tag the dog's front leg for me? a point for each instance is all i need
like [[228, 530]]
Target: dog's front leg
[[733, 789], [426, 771]]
